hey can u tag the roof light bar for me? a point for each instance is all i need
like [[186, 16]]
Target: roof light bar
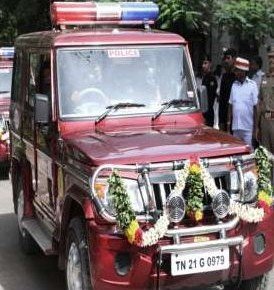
[[86, 13], [6, 52]]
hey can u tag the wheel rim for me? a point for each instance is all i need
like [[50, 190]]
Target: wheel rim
[[74, 279]]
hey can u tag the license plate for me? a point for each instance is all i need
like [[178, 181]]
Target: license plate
[[199, 261]]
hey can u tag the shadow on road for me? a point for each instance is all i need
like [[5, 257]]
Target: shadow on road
[[18, 271]]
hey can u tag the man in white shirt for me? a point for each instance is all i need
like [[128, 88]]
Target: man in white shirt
[[243, 101]]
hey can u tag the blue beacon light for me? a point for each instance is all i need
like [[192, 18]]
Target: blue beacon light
[[139, 11], [6, 52]]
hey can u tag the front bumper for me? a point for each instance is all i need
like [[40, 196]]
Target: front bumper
[[149, 268]]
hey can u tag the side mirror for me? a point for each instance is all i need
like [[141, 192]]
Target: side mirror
[[202, 93], [41, 108]]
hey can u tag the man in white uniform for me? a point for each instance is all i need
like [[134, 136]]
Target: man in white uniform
[[243, 101]]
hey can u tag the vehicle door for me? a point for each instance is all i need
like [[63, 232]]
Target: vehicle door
[[40, 88]]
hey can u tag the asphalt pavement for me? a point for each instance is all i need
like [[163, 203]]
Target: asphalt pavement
[[36, 272], [18, 271]]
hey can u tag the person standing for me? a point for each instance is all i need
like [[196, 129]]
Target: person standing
[[225, 87], [255, 72], [266, 108], [243, 104], [210, 82]]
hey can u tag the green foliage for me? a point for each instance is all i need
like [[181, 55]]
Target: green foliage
[[194, 183], [120, 201], [264, 170], [246, 18], [190, 15], [8, 29], [22, 16]]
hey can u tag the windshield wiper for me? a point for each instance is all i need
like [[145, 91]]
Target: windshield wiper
[[116, 107], [4, 92], [167, 105]]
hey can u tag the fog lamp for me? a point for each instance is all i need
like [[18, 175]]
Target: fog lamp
[[259, 244], [122, 263], [220, 204], [176, 207]]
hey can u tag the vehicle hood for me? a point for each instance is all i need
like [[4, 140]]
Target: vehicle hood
[[145, 145]]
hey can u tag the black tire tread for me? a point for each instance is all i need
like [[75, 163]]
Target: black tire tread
[[77, 233]]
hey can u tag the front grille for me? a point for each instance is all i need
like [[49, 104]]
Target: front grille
[[162, 190]]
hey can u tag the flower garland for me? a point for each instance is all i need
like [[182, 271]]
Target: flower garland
[[195, 176], [126, 218], [194, 182], [264, 170]]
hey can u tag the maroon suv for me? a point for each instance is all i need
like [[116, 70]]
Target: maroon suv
[[113, 169], [6, 64]]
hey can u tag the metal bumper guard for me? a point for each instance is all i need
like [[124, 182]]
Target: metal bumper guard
[[220, 228]]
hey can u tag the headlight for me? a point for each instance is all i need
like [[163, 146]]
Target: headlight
[[136, 192], [250, 186]]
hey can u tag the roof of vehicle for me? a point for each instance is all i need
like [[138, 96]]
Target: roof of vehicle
[[97, 36]]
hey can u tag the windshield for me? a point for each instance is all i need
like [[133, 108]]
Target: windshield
[[90, 80], [5, 79]]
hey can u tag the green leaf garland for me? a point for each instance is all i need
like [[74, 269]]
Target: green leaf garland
[[120, 201]]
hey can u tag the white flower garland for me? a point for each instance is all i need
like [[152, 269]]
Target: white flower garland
[[154, 234], [245, 212], [181, 177]]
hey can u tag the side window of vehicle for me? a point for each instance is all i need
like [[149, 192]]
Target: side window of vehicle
[[16, 91], [17, 76], [38, 84]]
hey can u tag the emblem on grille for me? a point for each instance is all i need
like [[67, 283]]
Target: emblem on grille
[[220, 204], [176, 207]]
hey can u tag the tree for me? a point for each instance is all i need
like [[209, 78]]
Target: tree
[[7, 24], [249, 20], [17, 17], [188, 16]]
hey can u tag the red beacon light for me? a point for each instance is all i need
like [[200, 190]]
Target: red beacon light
[[88, 13]]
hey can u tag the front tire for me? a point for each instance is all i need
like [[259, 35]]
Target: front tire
[[77, 262], [258, 283]]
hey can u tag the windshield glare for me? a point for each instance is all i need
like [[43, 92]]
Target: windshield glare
[[5, 79], [90, 80]]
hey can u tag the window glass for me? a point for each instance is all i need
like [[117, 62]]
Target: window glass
[[90, 80], [38, 83], [17, 76], [5, 80]]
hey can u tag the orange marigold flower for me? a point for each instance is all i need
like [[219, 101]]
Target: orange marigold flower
[[138, 239], [195, 169], [130, 231], [199, 215], [263, 196]]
